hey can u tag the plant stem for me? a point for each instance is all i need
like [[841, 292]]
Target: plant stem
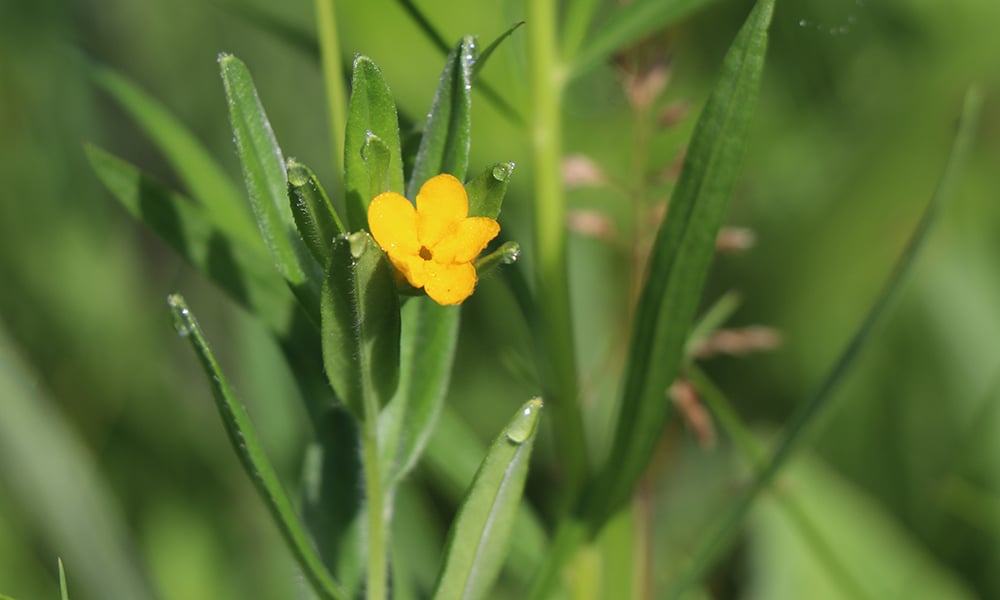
[[376, 538], [336, 93], [556, 324]]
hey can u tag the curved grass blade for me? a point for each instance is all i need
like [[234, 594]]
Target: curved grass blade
[[444, 147], [245, 442], [485, 54], [63, 589], [50, 477], [360, 325], [679, 264], [264, 175], [805, 420], [477, 543], [313, 212], [243, 272], [628, 24], [487, 190], [427, 350], [203, 176], [371, 111]]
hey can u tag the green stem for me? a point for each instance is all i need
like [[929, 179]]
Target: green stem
[[376, 538], [556, 325], [336, 93]]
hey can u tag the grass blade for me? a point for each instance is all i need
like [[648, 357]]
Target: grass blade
[[628, 24], [49, 475], [63, 590], [245, 442], [489, 50], [371, 111], [203, 176], [243, 272], [360, 325], [313, 212], [444, 147], [679, 263], [264, 175], [477, 543], [804, 420]]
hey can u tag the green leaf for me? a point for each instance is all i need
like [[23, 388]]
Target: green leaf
[[628, 24], [314, 215], [377, 156], [360, 324], [63, 590], [427, 351], [679, 263], [444, 147], [809, 413], [506, 254], [264, 175], [203, 176], [485, 54], [371, 111], [477, 542], [243, 272], [451, 462], [246, 444], [487, 190]]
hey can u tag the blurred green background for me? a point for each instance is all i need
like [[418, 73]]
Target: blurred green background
[[112, 456]]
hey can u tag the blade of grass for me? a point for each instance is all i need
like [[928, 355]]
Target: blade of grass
[[754, 455], [477, 543], [628, 24], [203, 176], [242, 272], [803, 423], [52, 481], [681, 256], [246, 444], [266, 182], [63, 589], [435, 37]]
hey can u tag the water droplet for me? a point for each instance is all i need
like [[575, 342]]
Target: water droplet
[[523, 426], [502, 171]]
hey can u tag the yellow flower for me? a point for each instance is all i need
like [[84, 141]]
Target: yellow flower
[[433, 246]]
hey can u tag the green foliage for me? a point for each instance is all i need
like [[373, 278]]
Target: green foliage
[[314, 215]]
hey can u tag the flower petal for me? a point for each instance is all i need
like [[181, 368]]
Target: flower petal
[[393, 223], [411, 266], [449, 284], [441, 205], [467, 241]]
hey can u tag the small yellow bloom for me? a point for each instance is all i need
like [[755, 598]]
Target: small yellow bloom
[[433, 246]]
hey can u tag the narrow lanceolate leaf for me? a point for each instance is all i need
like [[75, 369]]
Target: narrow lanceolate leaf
[[201, 174], [487, 190], [628, 24], [805, 419], [485, 55], [679, 263], [371, 111], [243, 272], [314, 215], [444, 147], [377, 156], [477, 542], [246, 443], [360, 324], [427, 350], [263, 173]]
